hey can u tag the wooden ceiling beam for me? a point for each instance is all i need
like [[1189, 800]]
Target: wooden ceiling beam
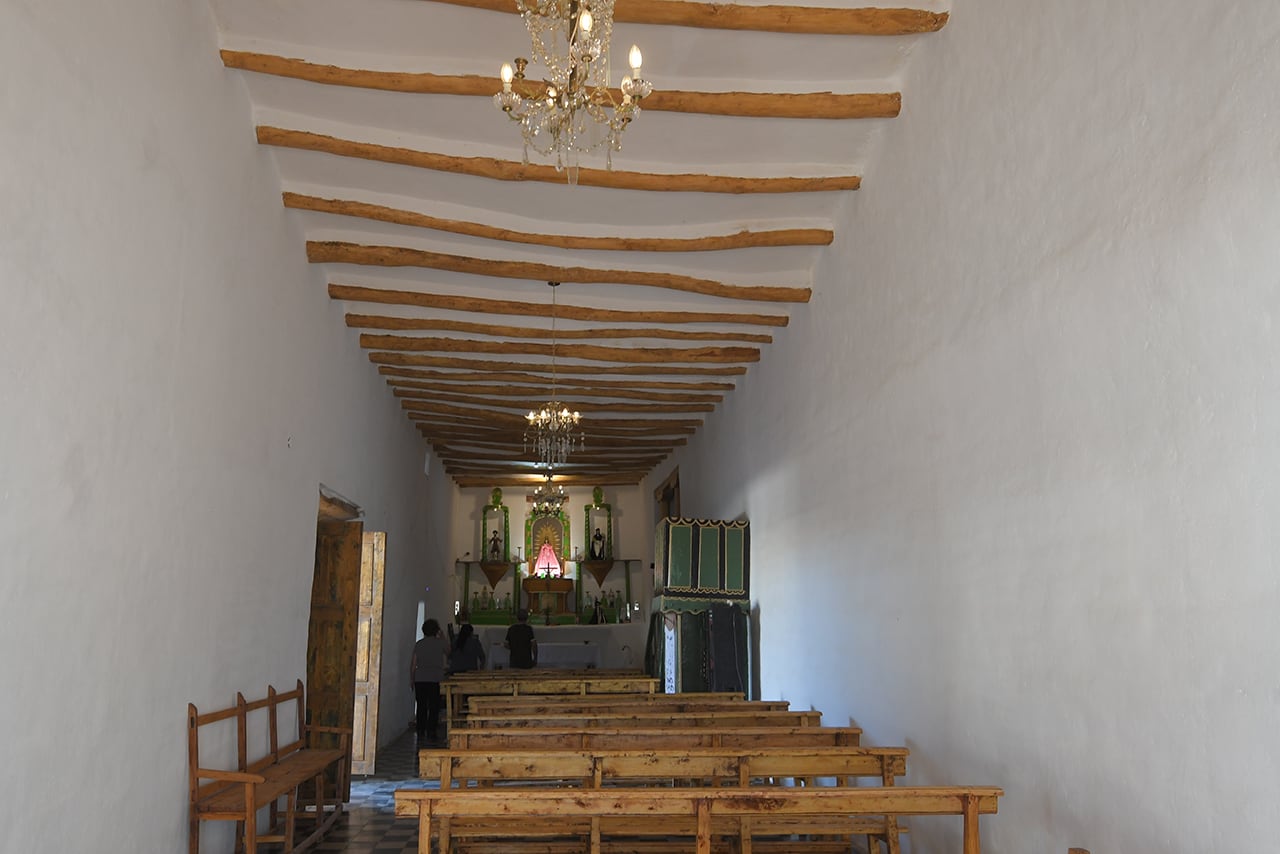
[[441, 427], [511, 170], [424, 360], [775, 105], [340, 252], [743, 239], [518, 481], [527, 405], [476, 466], [479, 305], [469, 439], [594, 352], [453, 453], [429, 324], [590, 423], [808, 20], [487, 391], [519, 377]]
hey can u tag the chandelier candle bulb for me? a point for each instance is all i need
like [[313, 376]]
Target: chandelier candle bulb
[[635, 59]]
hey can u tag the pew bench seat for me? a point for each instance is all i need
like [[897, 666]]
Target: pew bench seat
[[691, 818]]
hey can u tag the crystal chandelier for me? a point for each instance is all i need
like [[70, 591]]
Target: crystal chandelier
[[552, 432], [573, 111], [548, 498]]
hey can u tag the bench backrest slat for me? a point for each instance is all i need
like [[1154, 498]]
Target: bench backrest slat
[[901, 800], [653, 738], [659, 718], [722, 764]]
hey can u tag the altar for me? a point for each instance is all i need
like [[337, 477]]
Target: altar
[[548, 595]]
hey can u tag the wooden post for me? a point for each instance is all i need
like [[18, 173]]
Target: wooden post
[[972, 841], [424, 827]]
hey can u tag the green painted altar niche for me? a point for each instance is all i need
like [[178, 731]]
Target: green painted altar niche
[[494, 603]]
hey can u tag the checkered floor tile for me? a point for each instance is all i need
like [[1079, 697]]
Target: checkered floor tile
[[369, 825]]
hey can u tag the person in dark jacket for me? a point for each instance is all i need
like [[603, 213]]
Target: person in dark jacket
[[468, 652]]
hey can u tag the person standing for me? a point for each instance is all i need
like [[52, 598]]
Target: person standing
[[468, 652], [521, 642], [426, 670]]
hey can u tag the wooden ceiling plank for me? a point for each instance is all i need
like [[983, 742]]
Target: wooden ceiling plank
[[593, 352], [428, 324], [652, 429], [516, 481], [744, 239], [527, 405], [480, 305], [340, 252], [808, 20], [520, 377], [590, 422], [778, 105], [482, 392], [422, 359], [465, 439], [511, 170]]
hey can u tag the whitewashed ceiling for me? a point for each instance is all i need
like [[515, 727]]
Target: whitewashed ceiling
[[677, 266]]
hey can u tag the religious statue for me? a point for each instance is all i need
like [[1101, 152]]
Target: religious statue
[[597, 545], [495, 546]]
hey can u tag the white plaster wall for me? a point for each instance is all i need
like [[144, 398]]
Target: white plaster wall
[[1013, 475], [175, 386]]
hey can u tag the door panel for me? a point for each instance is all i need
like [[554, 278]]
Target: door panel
[[331, 643], [364, 738]]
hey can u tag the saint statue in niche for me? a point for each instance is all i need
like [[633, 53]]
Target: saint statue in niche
[[495, 546], [597, 545]]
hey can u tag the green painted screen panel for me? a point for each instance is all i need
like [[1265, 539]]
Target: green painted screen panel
[[709, 557], [680, 556], [734, 559]]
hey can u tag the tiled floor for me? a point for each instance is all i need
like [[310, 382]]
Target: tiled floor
[[369, 825]]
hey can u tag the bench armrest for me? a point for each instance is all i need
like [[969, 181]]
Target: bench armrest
[[232, 776]]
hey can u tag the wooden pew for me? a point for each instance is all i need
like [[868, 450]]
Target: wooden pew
[[493, 703], [652, 719], [613, 704], [696, 814], [720, 765], [513, 682], [713, 766], [640, 738]]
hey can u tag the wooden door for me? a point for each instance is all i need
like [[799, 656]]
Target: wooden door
[[364, 733], [331, 642]]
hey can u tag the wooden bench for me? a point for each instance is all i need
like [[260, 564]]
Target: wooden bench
[[713, 766], [652, 719], [280, 774], [655, 738], [482, 704], [614, 704], [514, 683], [669, 766], [695, 815]]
